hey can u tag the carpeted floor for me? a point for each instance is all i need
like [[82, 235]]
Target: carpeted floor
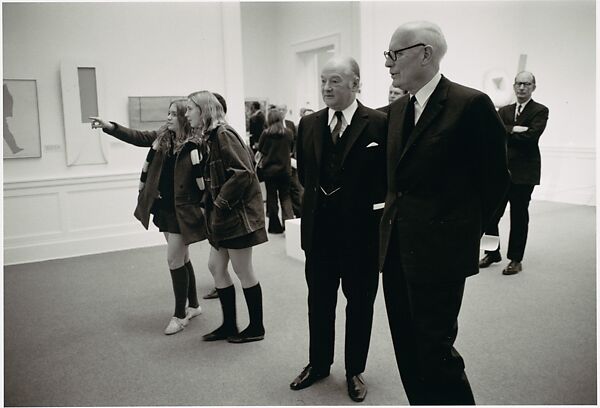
[[88, 331]]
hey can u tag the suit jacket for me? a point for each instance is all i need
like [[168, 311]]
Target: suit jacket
[[256, 124], [523, 152], [385, 109], [188, 196], [292, 127], [362, 180], [444, 184]]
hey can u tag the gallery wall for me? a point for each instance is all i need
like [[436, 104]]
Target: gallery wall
[[142, 49], [486, 39]]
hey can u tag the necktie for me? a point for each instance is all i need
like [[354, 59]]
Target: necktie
[[337, 129], [518, 111], [409, 120]]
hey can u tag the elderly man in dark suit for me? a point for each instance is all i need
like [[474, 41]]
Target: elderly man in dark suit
[[341, 154], [525, 122], [446, 169]]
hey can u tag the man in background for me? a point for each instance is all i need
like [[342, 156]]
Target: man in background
[[256, 124], [394, 93], [525, 122]]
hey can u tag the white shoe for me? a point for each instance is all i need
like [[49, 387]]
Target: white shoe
[[175, 325], [191, 312]]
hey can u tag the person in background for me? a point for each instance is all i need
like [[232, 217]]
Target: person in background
[[447, 174], [393, 95], [235, 216], [256, 124], [296, 189], [276, 144], [170, 190], [341, 163], [525, 122]]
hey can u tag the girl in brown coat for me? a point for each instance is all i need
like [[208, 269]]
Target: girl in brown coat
[[171, 189], [234, 213]]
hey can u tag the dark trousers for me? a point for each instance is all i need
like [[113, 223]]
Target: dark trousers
[[278, 185], [328, 264], [519, 196], [296, 193], [423, 323]]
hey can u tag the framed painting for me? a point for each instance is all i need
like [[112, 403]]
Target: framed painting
[[149, 112], [21, 119]]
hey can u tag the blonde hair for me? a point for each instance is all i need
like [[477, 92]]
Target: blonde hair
[[211, 111]]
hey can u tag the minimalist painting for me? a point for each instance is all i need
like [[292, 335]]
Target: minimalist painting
[[20, 119], [149, 112], [82, 88]]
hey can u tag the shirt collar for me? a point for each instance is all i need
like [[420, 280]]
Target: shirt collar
[[346, 113], [523, 104], [425, 92]]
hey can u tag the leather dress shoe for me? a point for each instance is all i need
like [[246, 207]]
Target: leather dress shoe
[[308, 377], [512, 268], [489, 259], [357, 389]]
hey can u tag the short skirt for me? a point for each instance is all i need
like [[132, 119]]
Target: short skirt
[[166, 221], [245, 241]]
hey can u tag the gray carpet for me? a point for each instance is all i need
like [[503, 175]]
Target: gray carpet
[[88, 331]]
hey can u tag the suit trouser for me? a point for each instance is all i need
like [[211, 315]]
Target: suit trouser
[[326, 265], [519, 196], [423, 322], [296, 192]]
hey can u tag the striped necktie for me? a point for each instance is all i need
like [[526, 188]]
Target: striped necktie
[[337, 129]]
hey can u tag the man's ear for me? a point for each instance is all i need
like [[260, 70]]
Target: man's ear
[[427, 55]]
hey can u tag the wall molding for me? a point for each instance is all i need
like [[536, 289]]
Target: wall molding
[[64, 217]]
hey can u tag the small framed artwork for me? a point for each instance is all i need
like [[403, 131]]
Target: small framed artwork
[[21, 119], [149, 112]]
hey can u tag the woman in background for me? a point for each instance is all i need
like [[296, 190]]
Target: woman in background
[[235, 217], [171, 189], [276, 144]]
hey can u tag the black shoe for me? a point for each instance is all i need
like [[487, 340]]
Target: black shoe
[[220, 334], [213, 294], [512, 268], [246, 336], [489, 259], [357, 389], [308, 377]]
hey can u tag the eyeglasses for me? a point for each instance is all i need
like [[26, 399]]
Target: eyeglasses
[[518, 84], [393, 55]]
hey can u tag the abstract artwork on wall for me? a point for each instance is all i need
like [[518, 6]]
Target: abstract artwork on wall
[[82, 95], [20, 119], [149, 112]]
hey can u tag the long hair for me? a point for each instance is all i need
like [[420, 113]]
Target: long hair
[[275, 121], [168, 139], [211, 111]]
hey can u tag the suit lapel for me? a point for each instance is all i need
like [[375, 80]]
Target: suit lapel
[[525, 112], [320, 132], [432, 109], [357, 125], [394, 137]]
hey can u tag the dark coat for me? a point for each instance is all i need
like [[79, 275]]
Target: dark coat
[[276, 149], [234, 205], [523, 152], [445, 184], [188, 196], [256, 124], [362, 180]]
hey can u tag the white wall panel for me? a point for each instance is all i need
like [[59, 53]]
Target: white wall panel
[[31, 214]]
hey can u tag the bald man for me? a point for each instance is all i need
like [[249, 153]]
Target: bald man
[[340, 153], [446, 169]]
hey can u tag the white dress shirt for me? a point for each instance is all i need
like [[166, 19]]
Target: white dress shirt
[[424, 94], [346, 117]]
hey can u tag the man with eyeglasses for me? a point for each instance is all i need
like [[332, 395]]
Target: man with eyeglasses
[[446, 171], [525, 122]]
